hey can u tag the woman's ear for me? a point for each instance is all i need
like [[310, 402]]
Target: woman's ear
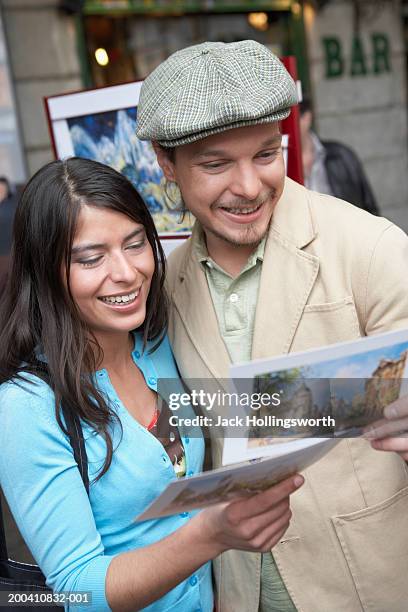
[[164, 161]]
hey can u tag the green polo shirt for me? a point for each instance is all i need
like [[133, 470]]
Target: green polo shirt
[[235, 302], [234, 299]]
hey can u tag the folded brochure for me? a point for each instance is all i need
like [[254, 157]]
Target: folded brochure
[[368, 374], [229, 483]]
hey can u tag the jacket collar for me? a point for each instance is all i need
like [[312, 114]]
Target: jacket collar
[[292, 218]]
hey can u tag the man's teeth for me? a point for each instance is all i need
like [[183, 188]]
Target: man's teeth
[[121, 299], [243, 211]]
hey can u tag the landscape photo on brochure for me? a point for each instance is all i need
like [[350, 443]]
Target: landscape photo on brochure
[[334, 391], [351, 382]]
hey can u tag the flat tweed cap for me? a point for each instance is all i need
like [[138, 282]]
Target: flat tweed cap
[[210, 88]]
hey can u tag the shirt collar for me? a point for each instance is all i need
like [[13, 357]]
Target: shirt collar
[[201, 253]]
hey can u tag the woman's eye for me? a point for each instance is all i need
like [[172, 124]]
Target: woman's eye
[[137, 245], [88, 263]]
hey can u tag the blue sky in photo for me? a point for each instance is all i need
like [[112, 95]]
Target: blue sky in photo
[[355, 366], [350, 373]]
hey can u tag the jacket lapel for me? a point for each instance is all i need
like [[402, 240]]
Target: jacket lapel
[[193, 301], [288, 274]]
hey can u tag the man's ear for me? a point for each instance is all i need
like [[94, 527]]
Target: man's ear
[[164, 162]]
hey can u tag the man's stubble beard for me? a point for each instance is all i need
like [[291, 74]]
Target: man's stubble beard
[[249, 236]]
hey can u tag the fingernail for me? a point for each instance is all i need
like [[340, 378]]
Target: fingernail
[[298, 481]]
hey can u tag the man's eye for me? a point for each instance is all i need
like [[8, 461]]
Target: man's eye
[[214, 165], [268, 154]]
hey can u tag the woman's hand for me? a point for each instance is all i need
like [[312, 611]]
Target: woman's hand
[[137, 578], [253, 524], [391, 432]]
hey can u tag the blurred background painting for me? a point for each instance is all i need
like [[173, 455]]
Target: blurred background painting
[[110, 138]]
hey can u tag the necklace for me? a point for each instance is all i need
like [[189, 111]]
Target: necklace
[[154, 420]]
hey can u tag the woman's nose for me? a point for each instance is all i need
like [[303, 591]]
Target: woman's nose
[[122, 269]]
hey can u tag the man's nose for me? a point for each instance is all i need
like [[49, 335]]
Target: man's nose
[[246, 182], [121, 268]]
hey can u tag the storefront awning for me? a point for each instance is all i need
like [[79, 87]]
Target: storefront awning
[[175, 7]]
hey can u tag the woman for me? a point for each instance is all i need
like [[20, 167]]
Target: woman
[[88, 270]]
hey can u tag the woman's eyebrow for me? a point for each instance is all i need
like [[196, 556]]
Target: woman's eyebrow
[[92, 246]]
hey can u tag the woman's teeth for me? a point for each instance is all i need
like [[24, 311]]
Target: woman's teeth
[[121, 299]]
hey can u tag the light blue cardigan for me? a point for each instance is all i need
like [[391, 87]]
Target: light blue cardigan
[[73, 537]]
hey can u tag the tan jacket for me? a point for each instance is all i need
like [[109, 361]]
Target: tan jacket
[[331, 272]]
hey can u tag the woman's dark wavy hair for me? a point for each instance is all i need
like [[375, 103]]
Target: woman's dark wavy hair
[[38, 313]]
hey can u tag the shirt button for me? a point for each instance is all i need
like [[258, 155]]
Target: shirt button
[[187, 440], [152, 380], [193, 580], [234, 298], [137, 355], [165, 458], [100, 374], [184, 514], [190, 473]]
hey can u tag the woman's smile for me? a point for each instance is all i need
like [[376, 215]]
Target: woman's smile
[[127, 302], [112, 266]]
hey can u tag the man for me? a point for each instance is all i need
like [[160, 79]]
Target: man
[[272, 268], [331, 167]]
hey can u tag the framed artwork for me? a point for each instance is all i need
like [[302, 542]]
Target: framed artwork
[[100, 124]]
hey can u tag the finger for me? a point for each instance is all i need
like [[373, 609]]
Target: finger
[[262, 502], [399, 445], [271, 535], [397, 409], [370, 430], [384, 428], [252, 527], [274, 540]]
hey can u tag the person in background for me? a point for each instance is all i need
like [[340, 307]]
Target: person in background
[[7, 210], [331, 167]]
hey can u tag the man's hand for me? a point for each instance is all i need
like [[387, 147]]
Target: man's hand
[[391, 432]]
